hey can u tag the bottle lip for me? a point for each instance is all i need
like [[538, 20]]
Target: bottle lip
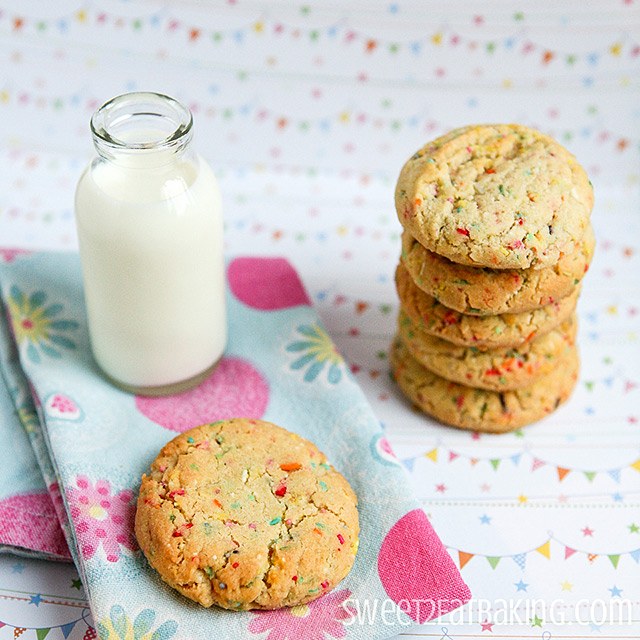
[[120, 110]]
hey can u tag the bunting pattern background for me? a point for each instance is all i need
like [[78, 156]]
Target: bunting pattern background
[[307, 111]]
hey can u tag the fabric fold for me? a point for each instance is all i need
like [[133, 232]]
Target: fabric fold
[[29, 523]]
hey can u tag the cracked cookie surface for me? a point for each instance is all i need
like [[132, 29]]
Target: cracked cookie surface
[[246, 515], [483, 291], [495, 369], [480, 409], [505, 330], [499, 196]]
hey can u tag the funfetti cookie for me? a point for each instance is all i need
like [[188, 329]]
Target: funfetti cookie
[[246, 515], [480, 409], [498, 196], [485, 332], [484, 291], [501, 369]]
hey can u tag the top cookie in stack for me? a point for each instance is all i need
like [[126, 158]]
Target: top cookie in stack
[[498, 196], [496, 221]]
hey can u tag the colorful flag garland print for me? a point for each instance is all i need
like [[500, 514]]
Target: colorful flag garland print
[[536, 463], [545, 550], [27, 633], [337, 32], [282, 122]]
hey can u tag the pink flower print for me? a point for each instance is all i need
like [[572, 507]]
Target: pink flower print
[[100, 518], [306, 621]]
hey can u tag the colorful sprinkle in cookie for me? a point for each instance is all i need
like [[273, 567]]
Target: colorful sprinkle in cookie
[[498, 196], [246, 515], [483, 291], [486, 332], [495, 369], [479, 409]]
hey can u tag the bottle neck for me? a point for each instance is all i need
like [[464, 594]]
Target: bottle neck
[[142, 130]]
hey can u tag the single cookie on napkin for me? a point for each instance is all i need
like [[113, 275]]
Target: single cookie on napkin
[[247, 515]]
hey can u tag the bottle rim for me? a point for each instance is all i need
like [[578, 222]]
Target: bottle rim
[[120, 109]]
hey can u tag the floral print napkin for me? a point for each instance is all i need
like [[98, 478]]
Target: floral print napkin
[[281, 366], [28, 521]]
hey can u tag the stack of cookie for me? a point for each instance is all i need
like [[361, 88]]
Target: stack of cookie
[[496, 240]]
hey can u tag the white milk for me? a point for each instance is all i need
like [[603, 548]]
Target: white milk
[[150, 235]]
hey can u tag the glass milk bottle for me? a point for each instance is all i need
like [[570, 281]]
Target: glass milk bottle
[[148, 214]]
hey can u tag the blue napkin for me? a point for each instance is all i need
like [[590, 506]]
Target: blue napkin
[[280, 365]]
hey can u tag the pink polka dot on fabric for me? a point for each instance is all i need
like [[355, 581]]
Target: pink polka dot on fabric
[[267, 284], [416, 571], [235, 389]]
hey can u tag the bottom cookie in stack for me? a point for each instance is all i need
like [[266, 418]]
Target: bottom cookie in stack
[[483, 409]]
